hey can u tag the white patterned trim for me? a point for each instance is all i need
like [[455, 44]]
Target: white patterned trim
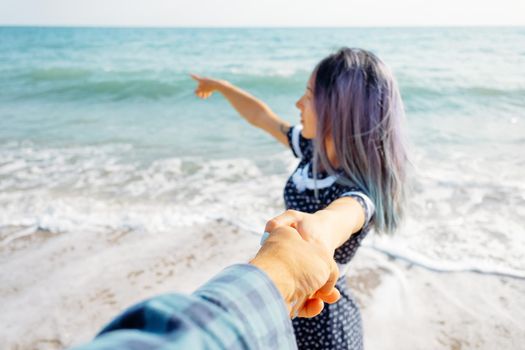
[[302, 181], [296, 131], [371, 207]]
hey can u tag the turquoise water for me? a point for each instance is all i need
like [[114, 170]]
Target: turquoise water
[[102, 121], [90, 86]]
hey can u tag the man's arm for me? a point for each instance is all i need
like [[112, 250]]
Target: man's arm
[[240, 308], [244, 307]]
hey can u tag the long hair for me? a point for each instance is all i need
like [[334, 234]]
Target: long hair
[[359, 106]]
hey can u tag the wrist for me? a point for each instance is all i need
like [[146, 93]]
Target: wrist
[[326, 217], [222, 85], [279, 275]]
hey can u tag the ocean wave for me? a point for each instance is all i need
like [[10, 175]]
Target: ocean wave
[[77, 84], [103, 188], [95, 189], [56, 74], [482, 267], [473, 92], [88, 83], [107, 90]]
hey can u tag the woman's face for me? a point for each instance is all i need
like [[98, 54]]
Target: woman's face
[[306, 106]]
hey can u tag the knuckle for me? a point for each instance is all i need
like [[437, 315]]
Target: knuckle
[[271, 224]]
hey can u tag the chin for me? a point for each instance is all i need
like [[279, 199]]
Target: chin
[[306, 134]]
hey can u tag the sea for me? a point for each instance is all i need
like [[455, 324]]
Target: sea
[[100, 131]]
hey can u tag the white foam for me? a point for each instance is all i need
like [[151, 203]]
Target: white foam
[[397, 249], [96, 190], [462, 217]]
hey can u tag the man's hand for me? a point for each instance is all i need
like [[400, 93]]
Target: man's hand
[[304, 271]]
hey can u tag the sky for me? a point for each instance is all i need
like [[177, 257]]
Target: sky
[[262, 13]]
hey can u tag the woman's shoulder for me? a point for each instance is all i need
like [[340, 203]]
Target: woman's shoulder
[[301, 147]]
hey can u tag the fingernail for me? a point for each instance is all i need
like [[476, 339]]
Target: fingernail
[[264, 237]]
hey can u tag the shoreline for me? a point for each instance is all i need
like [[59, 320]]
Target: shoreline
[[74, 283], [408, 307]]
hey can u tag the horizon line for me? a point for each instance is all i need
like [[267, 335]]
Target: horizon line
[[111, 26]]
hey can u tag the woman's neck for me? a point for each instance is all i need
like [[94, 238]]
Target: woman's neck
[[330, 153]]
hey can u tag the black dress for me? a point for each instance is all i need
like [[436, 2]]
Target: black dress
[[339, 325]]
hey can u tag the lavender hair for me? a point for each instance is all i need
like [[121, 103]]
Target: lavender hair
[[359, 106]]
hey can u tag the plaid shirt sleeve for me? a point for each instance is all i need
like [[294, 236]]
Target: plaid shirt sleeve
[[240, 308]]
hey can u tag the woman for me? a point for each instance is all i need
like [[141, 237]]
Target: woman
[[351, 173]]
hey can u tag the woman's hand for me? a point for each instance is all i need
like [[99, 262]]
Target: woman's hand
[[331, 226], [206, 86], [311, 227]]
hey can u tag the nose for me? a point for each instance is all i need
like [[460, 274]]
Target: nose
[[299, 104]]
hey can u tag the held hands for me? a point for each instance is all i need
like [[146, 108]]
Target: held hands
[[206, 86], [312, 227], [304, 271]]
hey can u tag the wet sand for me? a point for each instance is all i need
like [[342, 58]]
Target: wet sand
[[58, 290]]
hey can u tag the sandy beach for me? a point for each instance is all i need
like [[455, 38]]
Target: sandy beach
[[117, 183], [74, 283]]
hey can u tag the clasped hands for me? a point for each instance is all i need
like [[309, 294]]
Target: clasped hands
[[300, 262]]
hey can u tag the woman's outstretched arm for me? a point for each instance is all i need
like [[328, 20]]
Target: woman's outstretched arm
[[256, 112], [331, 226]]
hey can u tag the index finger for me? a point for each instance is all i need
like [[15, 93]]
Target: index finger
[[195, 77], [333, 296]]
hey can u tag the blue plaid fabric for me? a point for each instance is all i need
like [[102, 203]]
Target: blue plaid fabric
[[240, 308]]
